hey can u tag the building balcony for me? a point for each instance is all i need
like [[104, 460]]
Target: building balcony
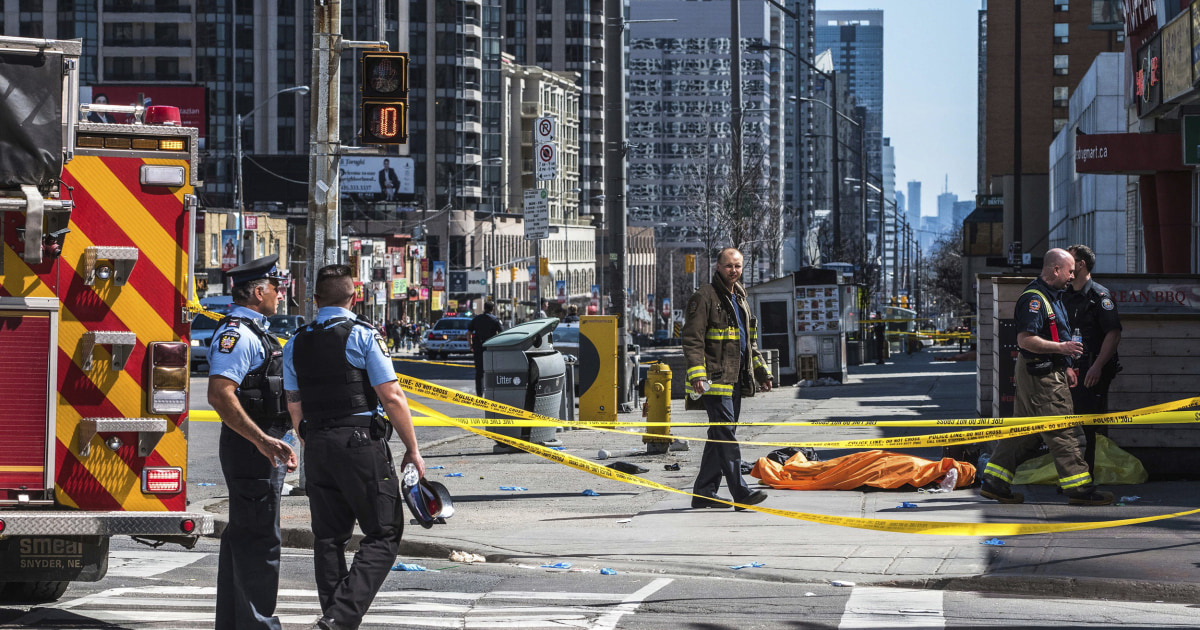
[[146, 6]]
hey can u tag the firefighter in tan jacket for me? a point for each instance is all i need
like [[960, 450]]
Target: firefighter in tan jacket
[[723, 365]]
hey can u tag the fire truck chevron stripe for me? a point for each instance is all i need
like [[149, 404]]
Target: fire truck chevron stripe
[[130, 211]]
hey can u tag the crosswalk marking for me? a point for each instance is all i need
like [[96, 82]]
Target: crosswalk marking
[[187, 607], [880, 608], [149, 563]]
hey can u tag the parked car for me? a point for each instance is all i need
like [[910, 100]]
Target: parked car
[[285, 326], [202, 334], [448, 336], [566, 339]]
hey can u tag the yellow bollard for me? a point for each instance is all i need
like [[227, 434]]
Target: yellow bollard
[[658, 407]]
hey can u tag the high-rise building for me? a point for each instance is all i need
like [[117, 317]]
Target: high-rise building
[[567, 37], [216, 59], [1058, 41], [889, 211], [679, 109], [914, 204], [800, 150], [856, 40], [945, 208], [961, 210]]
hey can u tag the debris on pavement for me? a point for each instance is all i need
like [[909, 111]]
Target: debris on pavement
[[907, 505], [408, 567], [821, 382], [206, 484], [994, 542], [452, 475], [557, 565], [627, 468], [514, 489], [466, 556], [678, 445], [810, 594], [590, 493], [607, 571], [671, 467], [1130, 499], [752, 565], [434, 467], [846, 583], [625, 520]]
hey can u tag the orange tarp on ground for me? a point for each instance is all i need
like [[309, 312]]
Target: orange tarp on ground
[[880, 469]]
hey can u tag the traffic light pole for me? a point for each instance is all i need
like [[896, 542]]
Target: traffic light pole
[[614, 182], [323, 237]]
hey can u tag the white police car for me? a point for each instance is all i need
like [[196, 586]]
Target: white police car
[[448, 336]]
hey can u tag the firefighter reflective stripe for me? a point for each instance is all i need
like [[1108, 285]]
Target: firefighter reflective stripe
[[717, 389], [722, 334], [754, 334], [1074, 481], [696, 372], [759, 363], [998, 471]]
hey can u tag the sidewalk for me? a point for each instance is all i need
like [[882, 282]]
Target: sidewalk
[[632, 528]]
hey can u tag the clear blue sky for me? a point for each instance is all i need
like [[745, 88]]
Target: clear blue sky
[[930, 86]]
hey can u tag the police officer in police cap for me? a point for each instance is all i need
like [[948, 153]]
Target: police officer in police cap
[[339, 380], [245, 386]]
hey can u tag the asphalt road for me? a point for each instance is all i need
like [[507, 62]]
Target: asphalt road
[[174, 588]]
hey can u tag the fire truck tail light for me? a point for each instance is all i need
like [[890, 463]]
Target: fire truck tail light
[[170, 354], [187, 526], [1, 526], [162, 175], [162, 480], [171, 145], [168, 377]]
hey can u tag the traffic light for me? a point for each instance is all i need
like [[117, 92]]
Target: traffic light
[[512, 274], [689, 263], [383, 97]]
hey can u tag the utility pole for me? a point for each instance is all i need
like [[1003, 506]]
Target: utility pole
[[614, 180], [323, 238], [735, 69]]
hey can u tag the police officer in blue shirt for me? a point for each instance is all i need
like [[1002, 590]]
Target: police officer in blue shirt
[[339, 380], [245, 386]]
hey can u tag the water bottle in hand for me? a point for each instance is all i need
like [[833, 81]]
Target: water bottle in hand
[[410, 477], [704, 387], [1078, 338], [293, 443]]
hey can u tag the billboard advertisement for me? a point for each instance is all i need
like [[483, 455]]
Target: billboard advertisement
[[190, 101], [228, 249], [376, 178], [439, 275]]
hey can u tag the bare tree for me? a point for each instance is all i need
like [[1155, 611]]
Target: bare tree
[[943, 273]]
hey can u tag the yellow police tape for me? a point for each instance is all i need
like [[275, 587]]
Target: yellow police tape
[[940, 528], [457, 365], [1165, 413]]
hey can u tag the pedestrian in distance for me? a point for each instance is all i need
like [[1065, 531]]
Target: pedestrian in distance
[[1093, 313], [541, 312], [244, 387], [483, 326], [723, 365], [339, 381], [1044, 377], [572, 315]]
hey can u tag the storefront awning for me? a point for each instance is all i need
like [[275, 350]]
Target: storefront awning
[[1128, 153]]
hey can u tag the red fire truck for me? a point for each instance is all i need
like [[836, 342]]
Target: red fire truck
[[97, 225]]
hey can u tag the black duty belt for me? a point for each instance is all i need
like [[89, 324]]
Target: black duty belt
[[343, 421]]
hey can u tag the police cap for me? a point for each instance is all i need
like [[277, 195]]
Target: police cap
[[256, 269]]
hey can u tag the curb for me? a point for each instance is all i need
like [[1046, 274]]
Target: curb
[[1066, 588]]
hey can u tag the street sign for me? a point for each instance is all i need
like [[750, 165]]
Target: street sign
[[544, 129], [537, 214], [547, 161], [251, 222]]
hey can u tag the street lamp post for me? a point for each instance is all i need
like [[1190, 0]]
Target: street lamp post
[[237, 154]]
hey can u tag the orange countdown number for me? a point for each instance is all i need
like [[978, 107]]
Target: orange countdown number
[[387, 122]]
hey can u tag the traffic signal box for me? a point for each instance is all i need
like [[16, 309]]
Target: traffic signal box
[[383, 97]]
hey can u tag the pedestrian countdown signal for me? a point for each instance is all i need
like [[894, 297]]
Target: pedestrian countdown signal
[[383, 97]]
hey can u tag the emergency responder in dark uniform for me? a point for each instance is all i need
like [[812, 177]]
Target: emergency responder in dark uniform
[[721, 351], [1044, 376], [245, 386], [1093, 311], [337, 374], [483, 326]]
